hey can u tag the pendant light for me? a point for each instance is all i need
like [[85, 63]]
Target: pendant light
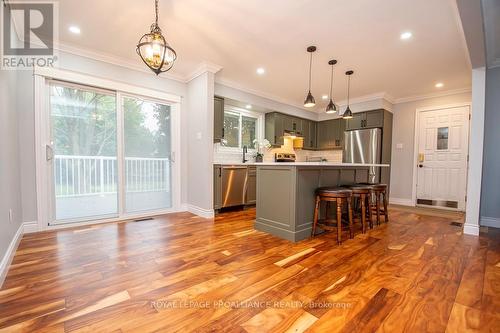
[[310, 102], [331, 107], [348, 113], [154, 49]]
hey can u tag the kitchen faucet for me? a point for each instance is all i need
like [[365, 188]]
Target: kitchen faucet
[[245, 150]]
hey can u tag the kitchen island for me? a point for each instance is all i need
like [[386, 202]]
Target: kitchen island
[[285, 193]]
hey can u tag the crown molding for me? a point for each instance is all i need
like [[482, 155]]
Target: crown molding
[[432, 95], [113, 60], [204, 67], [368, 98], [495, 64], [238, 86]]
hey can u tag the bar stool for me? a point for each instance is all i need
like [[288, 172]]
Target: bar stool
[[340, 196], [363, 193], [379, 190]]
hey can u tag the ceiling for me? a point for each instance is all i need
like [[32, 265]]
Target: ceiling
[[363, 35]]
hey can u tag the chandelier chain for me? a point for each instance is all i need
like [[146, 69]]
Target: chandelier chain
[[310, 68], [156, 12], [331, 84], [348, 88]]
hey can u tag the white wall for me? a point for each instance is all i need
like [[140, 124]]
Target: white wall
[[200, 137], [404, 133], [10, 186], [490, 208]]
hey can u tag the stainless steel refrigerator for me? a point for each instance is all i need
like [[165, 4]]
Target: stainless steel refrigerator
[[364, 146]]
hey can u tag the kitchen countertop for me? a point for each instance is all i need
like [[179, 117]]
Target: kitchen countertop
[[338, 164]]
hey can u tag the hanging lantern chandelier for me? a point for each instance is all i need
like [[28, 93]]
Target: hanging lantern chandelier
[[154, 49]]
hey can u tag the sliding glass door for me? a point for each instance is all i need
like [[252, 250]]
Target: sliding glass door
[[83, 126], [110, 153], [147, 146]]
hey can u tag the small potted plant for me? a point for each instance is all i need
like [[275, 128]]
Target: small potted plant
[[261, 146]]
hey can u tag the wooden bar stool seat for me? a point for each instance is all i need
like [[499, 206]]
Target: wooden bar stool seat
[[379, 194], [340, 196], [363, 194]]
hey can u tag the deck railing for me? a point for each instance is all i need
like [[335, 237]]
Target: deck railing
[[98, 175]]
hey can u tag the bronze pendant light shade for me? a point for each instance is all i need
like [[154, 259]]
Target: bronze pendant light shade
[[348, 113], [309, 101], [331, 107], [154, 49]]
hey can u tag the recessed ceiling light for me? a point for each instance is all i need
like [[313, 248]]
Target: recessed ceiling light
[[248, 106], [406, 35], [325, 97], [439, 85], [74, 29], [261, 71]]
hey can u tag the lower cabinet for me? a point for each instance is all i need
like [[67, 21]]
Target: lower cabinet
[[251, 190], [217, 187]]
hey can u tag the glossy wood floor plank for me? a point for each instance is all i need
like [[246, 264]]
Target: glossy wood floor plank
[[182, 273]]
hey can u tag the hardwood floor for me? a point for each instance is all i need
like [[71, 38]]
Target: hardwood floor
[[184, 273]]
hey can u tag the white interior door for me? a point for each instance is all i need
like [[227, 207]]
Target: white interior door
[[442, 157]]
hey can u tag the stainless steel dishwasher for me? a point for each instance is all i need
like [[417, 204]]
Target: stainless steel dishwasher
[[234, 179]]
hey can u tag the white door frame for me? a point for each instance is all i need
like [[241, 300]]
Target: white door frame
[[42, 136], [418, 111]]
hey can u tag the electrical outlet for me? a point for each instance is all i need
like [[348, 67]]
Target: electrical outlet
[[10, 215]]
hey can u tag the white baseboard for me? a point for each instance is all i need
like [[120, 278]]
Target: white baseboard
[[489, 222], [471, 229], [9, 254], [401, 201], [202, 212], [30, 227]]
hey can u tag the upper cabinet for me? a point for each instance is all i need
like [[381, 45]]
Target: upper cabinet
[[218, 118], [275, 128], [309, 133], [368, 119], [330, 134]]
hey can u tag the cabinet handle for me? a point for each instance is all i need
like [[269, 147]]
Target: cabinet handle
[[222, 132]]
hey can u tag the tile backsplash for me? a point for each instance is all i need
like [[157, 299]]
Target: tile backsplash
[[222, 156]]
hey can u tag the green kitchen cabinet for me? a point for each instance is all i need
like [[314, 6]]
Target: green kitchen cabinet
[[274, 130], [374, 119], [323, 134], [330, 134], [356, 122], [292, 124], [368, 119], [251, 188], [218, 118], [309, 134], [217, 186]]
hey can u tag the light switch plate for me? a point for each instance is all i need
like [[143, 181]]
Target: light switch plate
[[399, 146]]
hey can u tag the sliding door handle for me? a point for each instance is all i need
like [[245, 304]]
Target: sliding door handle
[[49, 153]]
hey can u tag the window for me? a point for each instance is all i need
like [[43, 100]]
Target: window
[[442, 138], [241, 128]]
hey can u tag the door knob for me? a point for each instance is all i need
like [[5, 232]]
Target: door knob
[[420, 165]]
